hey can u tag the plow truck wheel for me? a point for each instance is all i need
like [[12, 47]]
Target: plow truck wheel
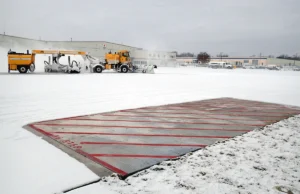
[[32, 68], [98, 69], [22, 69], [124, 69]]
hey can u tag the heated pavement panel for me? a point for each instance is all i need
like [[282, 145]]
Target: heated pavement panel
[[127, 141]]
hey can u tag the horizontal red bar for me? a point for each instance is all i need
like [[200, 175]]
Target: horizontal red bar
[[222, 105], [236, 105], [40, 130], [227, 103], [142, 144], [58, 119], [131, 156], [235, 102], [143, 127], [207, 113], [224, 110], [101, 162], [146, 135], [208, 118], [189, 123]]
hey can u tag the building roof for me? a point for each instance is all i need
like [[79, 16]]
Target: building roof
[[74, 41]]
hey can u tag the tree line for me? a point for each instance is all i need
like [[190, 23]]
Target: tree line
[[284, 56]]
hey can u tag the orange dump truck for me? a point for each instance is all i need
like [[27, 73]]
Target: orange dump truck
[[21, 62]]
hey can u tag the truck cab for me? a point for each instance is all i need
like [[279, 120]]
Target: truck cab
[[124, 56], [119, 61]]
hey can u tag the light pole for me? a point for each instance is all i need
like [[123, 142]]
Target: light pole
[[4, 27], [259, 58]]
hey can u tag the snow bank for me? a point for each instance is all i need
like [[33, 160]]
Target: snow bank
[[261, 161]]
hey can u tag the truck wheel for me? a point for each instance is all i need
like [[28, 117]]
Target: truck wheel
[[124, 69], [98, 69], [23, 69], [32, 68]]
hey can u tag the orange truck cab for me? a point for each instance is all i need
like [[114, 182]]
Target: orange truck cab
[[21, 62], [119, 61]]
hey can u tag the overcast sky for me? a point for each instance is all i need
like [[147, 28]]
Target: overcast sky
[[235, 27]]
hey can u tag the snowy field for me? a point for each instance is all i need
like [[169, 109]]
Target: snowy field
[[31, 165]]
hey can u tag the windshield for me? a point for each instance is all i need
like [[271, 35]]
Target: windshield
[[126, 54]]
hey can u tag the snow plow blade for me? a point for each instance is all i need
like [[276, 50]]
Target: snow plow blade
[[143, 69]]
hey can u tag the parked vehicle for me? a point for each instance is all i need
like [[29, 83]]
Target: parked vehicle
[[273, 67], [220, 65]]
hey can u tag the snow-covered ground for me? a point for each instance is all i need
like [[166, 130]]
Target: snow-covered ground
[[31, 165]]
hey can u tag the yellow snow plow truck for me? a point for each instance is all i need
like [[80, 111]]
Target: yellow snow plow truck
[[119, 61]]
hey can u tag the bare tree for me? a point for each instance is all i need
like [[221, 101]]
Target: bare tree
[[203, 57], [283, 56]]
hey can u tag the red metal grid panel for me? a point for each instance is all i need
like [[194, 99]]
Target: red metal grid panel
[[127, 141]]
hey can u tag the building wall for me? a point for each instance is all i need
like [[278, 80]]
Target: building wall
[[282, 62], [17, 43], [242, 61], [185, 60], [95, 48]]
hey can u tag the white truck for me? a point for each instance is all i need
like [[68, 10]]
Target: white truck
[[216, 65]]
